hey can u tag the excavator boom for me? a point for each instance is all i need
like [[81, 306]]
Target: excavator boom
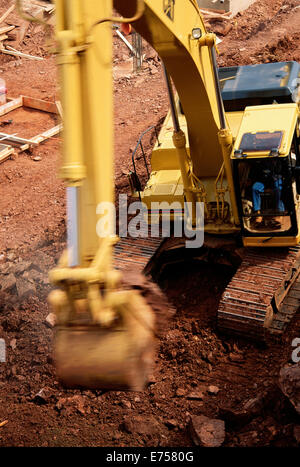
[[104, 334]]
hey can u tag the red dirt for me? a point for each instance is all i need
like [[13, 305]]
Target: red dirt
[[192, 356]]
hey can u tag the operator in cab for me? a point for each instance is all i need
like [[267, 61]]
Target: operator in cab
[[268, 180]]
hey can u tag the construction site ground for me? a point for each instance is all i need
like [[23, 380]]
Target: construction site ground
[[198, 371]]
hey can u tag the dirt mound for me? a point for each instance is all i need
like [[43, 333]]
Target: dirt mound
[[153, 295]]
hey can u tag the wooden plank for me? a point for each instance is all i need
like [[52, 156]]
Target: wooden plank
[[16, 53], [16, 139], [11, 105], [6, 29], [47, 134], [6, 153], [39, 104], [214, 16], [24, 147], [8, 12], [59, 109]]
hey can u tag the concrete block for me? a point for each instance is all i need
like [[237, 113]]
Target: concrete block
[[228, 5]]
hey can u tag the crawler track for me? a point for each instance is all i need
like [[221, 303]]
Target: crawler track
[[136, 252], [263, 295]]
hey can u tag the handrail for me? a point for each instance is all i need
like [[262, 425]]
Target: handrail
[[139, 143]]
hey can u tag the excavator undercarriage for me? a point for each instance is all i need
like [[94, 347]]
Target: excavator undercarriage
[[263, 295]]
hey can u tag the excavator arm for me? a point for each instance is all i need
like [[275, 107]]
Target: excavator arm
[[104, 335], [168, 26], [177, 32]]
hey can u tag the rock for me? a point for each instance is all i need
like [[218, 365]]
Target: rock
[[69, 404], [172, 423], [13, 344], [8, 283], [180, 392], [247, 439], [22, 266], [196, 395], [237, 418], [152, 379], [25, 288], [42, 261], [51, 320], [221, 28], [296, 434], [151, 55], [236, 357], [254, 405], [43, 396], [270, 399], [207, 432], [234, 418], [289, 382], [6, 268], [36, 276], [213, 390], [153, 70], [11, 256], [143, 425], [126, 404]]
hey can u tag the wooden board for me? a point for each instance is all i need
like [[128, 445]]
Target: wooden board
[[16, 139], [59, 109], [47, 134], [16, 53], [6, 29], [5, 152], [7, 13], [30, 102], [13, 104], [39, 104]]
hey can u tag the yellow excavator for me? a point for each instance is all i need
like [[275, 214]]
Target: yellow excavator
[[230, 143]]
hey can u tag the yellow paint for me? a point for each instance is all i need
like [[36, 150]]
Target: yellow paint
[[269, 118]]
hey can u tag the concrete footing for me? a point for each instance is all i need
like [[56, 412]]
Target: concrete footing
[[228, 5]]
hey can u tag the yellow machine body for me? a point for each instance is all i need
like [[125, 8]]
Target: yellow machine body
[[104, 336], [200, 168], [165, 183]]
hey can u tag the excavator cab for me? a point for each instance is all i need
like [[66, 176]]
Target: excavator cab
[[260, 84], [266, 175]]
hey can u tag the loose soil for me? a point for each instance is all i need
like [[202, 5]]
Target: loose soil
[[192, 356]]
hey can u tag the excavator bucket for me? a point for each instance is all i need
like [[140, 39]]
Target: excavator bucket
[[115, 356]]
